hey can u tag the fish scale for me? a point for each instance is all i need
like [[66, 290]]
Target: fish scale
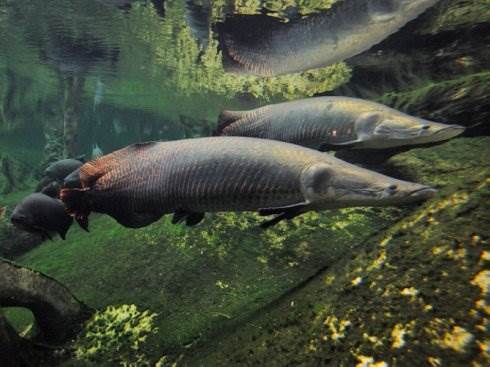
[[140, 183], [308, 122], [196, 183]]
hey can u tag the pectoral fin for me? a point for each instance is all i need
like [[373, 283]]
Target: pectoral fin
[[285, 212], [336, 146]]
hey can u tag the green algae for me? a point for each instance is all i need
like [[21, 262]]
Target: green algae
[[471, 87], [116, 336], [456, 14], [179, 272], [411, 295], [165, 69]]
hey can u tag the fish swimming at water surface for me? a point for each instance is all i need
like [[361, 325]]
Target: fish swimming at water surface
[[42, 214], [137, 185], [335, 123], [264, 46]]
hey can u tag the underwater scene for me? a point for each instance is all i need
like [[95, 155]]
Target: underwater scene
[[245, 183]]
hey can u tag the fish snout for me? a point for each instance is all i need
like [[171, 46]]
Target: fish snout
[[434, 132], [452, 131], [423, 193], [408, 191]]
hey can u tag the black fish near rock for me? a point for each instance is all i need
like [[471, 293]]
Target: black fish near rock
[[40, 213], [264, 46], [139, 184]]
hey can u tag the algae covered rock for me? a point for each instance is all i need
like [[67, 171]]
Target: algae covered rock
[[416, 294]]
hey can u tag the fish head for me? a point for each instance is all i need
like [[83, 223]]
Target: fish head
[[50, 171], [22, 218], [41, 214], [391, 128], [72, 180], [346, 185]]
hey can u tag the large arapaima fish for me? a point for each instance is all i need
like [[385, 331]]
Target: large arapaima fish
[[336, 123], [140, 183]]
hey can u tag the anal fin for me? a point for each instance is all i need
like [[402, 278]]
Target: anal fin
[[193, 219], [190, 218]]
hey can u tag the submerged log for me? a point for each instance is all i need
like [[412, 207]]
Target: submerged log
[[14, 351], [58, 313]]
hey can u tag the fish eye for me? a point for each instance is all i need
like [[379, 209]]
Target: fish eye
[[426, 127], [393, 187]]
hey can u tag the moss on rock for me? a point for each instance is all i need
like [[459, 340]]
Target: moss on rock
[[417, 294]]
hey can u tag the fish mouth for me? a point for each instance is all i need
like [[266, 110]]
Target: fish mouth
[[439, 135], [425, 192], [449, 132], [23, 225]]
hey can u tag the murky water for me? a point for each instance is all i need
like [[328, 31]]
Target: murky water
[[323, 286]]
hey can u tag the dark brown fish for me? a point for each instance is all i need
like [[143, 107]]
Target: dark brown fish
[[138, 184], [62, 168], [40, 213]]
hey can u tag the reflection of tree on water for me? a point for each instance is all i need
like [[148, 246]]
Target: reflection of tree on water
[[72, 59], [145, 62]]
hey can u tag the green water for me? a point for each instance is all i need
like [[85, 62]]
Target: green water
[[399, 286]]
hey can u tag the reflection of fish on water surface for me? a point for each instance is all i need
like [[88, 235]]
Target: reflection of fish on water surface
[[265, 46], [138, 184], [335, 123]]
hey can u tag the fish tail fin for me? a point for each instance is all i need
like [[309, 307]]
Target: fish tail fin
[[226, 119], [76, 204]]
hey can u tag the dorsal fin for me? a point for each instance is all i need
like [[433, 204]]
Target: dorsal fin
[[91, 171], [227, 118]]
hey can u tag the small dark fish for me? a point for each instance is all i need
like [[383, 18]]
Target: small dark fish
[[336, 123], [137, 185], [264, 46], [52, 190], [72, 180], [40, 213], [62, 168]]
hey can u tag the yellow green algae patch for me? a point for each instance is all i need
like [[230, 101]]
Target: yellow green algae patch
[[450, 15], [413, 295], [116, 336]]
